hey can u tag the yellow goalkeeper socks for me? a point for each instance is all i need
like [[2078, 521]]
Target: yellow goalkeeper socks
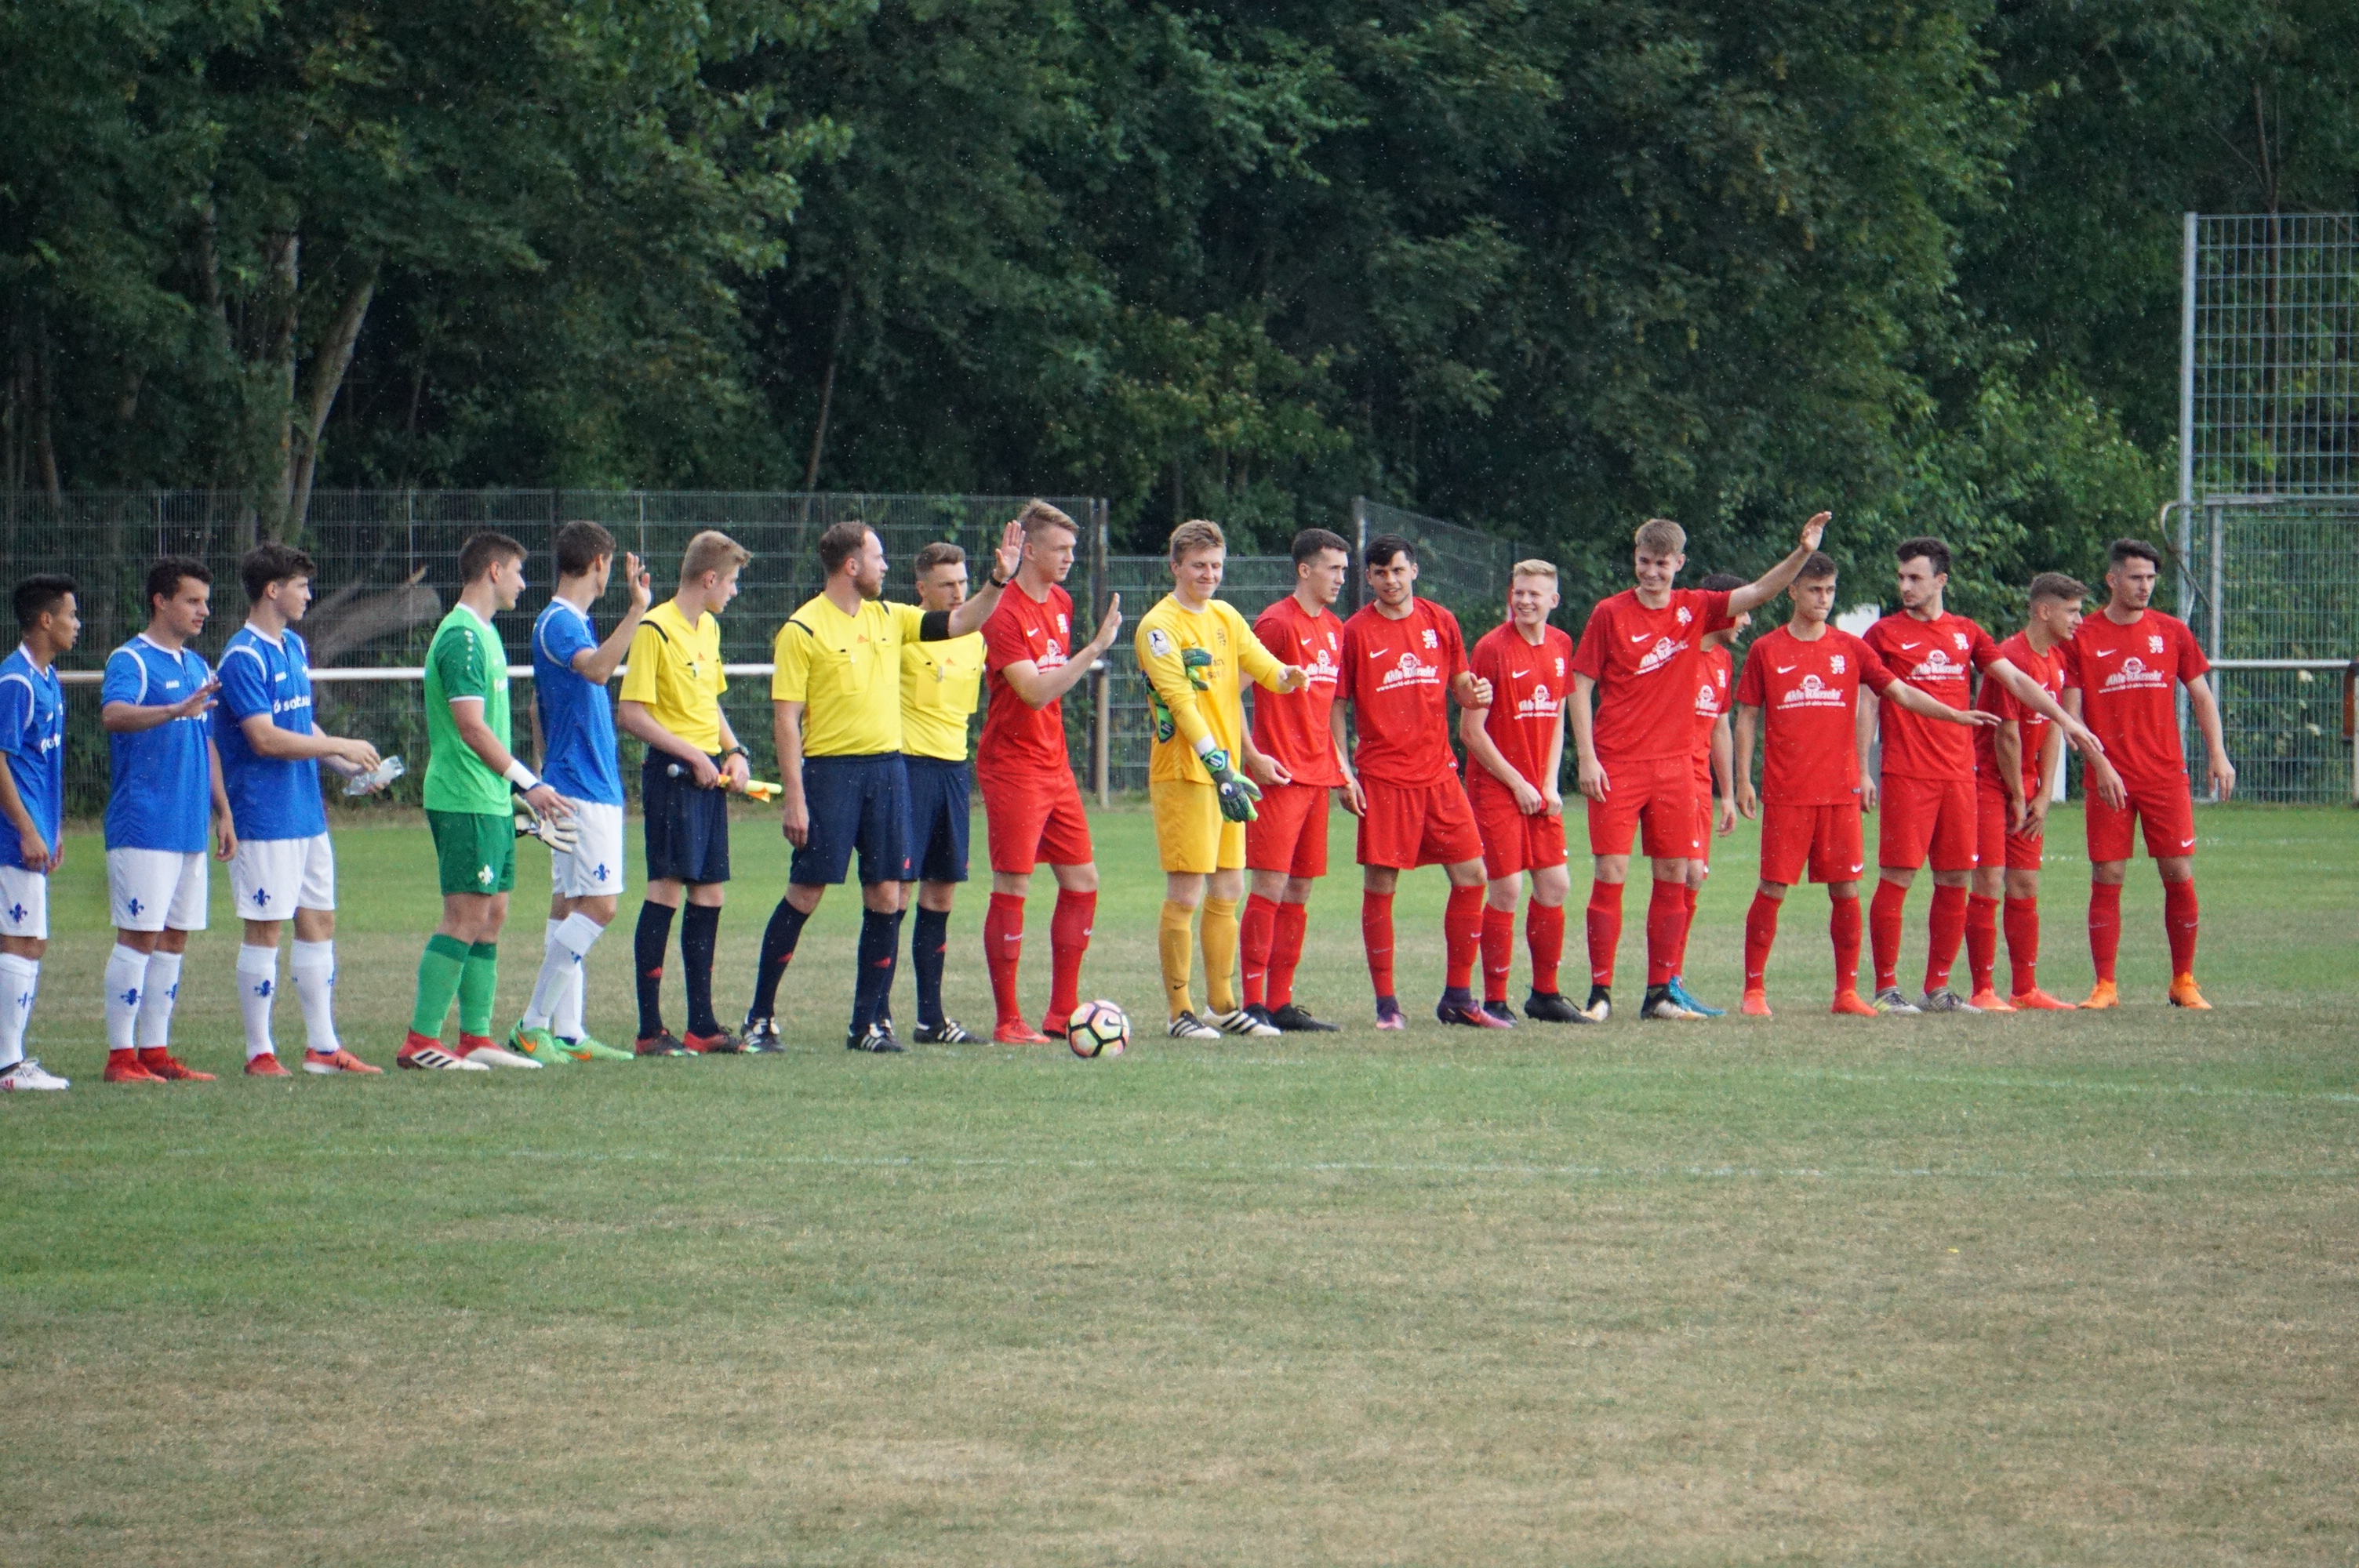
[[1220, 954], [1177, 944]]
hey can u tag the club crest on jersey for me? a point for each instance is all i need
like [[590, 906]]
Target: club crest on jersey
[[1062, 624], [2154, 645], [1836, 664], [1685, 616], [1960, 638], [1430, 640]]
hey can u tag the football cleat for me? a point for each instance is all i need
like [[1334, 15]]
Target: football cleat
[[484, 1053], [416, 1051], [1290, 1019], [28, 1075], [1459, 1008], [722, 1042], [265, 1066], [1500, 1010], [1015, 1031], [1241, 1020], [876, 1040], [1890, 1001], [1388, 1013], [583, 1048], [1553, 1007], [1756, 1003], [1941, 999], [1989, 1000], [327, 1064], [1657, 1004], [538, 1045], [1851, 1004], [1600, 1006], [1188, 1026], [2037, 1000], [123, 1067], [2103, 994], [164, 1064], [949, 1031], [760, 1038], [1680, 994], [663, 1042], [2184, 994]]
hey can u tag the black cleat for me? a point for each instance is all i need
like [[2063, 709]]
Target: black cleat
[[1553, 1007], [1600, 1006], [1293, 1020], [1260, 1015], [949, 1031], [1658, 1003], [761, 1038], [1500, 1010], [663, 1044], [878, 1040], [1457, 1006]]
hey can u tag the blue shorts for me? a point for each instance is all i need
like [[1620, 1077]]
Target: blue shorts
[[856, 803], [687, 827], [939, 815]]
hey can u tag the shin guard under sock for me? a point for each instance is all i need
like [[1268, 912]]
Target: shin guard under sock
[[1498, 952], [2179, 923], [780, 937], [1544, 938], [1761, 936], [929, 942], [2023, 944], [1461, 936], [1002, 950], [1069, 938], [1285, 952], [1377, 937], [1220, 939], [1256, 933], [1666, 920], [1883, 932], [699, 932], [1842, 930], [2105, 927], [1605, 931], [648, 946], [1982, 942]]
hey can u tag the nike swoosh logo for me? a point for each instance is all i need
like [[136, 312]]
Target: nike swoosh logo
[[1906, 646], [1518, 675], [1786, 669], [2107, 653], [1642, 636], [1379, 653]]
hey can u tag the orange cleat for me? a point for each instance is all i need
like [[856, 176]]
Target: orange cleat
[[2037, 1000], [1989, 1001], [336, 1061], [2103, 995], [266, 1067], [1756, 1003], [125, 1067], [1851, 1004], [2184, 994], [1015, 1031], [164, 1064]]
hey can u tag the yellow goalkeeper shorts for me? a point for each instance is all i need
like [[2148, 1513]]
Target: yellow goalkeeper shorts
[[1189, 828]]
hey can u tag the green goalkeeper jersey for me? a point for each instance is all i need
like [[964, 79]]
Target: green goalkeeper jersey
[[464, 660]]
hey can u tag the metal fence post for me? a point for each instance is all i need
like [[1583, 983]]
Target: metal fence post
[[1102, 686], [1359, 547]]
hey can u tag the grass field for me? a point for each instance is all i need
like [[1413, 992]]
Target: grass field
[[2028, 1288]]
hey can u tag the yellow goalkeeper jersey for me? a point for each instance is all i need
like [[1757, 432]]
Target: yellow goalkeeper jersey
[[1193, 661]]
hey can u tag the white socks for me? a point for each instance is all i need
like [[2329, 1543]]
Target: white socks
[[258, 979], [561, 972], [314, 966], [127, 981], [20, 981], [156, 997]]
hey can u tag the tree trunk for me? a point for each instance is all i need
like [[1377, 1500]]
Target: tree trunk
[[44, 441], [311, 416], [827, 385]]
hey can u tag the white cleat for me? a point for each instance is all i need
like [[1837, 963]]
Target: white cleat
[[1188, 1026], [1890, 1003], [28, 1074], [433, 1058], [1240, 1022], [492, 1057], [1945, 1001]]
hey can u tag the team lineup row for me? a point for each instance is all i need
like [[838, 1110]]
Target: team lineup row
[[871, 704]]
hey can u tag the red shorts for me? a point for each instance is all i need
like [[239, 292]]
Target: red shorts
[[1994, 844], [1657, 796], [1034, 819], [2165, 806], [1404, 828], [1823, 839], [1513, 842], [1928, 816], [1291, 833]]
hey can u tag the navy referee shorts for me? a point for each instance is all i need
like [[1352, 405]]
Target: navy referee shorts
[[939, 815], [687, 827], [856, 804]]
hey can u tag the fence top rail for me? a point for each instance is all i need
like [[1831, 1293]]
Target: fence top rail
[[2285, 664], [409, 673]]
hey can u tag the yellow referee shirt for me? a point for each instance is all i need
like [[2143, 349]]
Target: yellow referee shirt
[[674, 670], [1201, 693], [846, 672], [940, 684]]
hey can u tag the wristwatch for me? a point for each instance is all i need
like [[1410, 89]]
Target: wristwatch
[[735, 751], [995, 580]]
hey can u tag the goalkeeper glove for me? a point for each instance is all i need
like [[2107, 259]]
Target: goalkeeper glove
[[558, 833], [1198, 663], [1238, 792]]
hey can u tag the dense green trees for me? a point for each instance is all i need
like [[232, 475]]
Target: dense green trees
[[1545, 267]]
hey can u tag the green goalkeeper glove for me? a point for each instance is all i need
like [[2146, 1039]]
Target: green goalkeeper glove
[[1238, 792], [1198, 663]]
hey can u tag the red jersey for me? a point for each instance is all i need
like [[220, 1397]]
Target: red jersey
[[1937, 658], [1396, 676], [1808, 696], [1712, 698], [1292, 727], [2048, 671], [1018, 741], [1528, 683], [2125, 675], [1645, 663]]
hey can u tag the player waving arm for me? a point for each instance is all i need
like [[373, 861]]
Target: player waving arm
[[1772, 583], [1038, 688]]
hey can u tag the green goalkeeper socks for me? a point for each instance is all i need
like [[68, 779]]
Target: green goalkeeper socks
[[478, 985], [438, 975]]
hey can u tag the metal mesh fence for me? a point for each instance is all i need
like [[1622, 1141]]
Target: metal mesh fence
[[1461, 568], [1252, 584], [2270, 383]]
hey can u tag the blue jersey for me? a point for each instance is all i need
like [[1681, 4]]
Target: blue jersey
[[577, 717], [163, 788], [33, 740], [268, 797]]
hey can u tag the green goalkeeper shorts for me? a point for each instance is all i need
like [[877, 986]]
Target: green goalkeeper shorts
[[476, 853]]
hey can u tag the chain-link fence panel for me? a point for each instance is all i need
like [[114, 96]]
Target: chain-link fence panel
[[1461, 568]]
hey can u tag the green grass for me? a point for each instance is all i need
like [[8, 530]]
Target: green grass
[[2053, 1289]]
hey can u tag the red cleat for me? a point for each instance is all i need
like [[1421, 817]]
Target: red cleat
[[1055, 1029], [1989, 1000], [2103, 994], [2184, 994], [1851, 1004], [164, 1064], [336, 1061], [265, 1066], [125, 1067], [1755, 1004], [2037, 1000], [1015, 1031]]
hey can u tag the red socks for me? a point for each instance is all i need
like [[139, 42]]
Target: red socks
[[1761, 936], [1687, 924], [1604, 930], [1069, 938], [1843, 929], [1462, 935], [1945, 926], [1982, 941], [1003, 946], [1544, 935], [2179, 920], [1376, 936], [1255, 933], [1286, 951], [2023, 942], [2106, 926], [1883, 932], [1498, 952], [1666, 922]]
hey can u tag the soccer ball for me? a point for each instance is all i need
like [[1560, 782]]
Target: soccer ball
[[1098, 1029]]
